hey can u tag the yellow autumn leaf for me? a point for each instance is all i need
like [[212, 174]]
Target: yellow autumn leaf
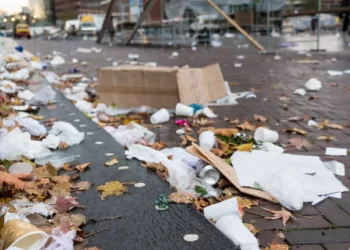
[[245, 147], [37, 117], [111, 162], [112, 188], [246, 203]]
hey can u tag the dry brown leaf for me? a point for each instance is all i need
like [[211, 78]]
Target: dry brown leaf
[[247, 126], [284, 98], [326, 138], [183, 140], [245, 202], [283, 214], [218, 152], [277, 247], [200, 203], [61, 189], [201, 130], [260, 118], [159, 168], [67, 167], [82, 185], [227, 132], [159, 145], [111, 162], [295, 119], [299, 143], [178, 198], [37, 117], [61, 179], [251, 228], [325, 125], [13, 179], [64, 204], [112, 188], [82, 167], [296, 130], [63, 145], [47, 171], [234, 122], [245, 147], [69, 219], [190, 138]]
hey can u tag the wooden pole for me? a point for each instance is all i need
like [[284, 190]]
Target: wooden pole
[[145, 12], [234, 24], [106, 22]]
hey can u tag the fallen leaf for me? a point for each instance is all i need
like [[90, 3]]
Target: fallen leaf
[[47, 171], [299, 143], [160, 169], [82, 185], [112, 161], [251, 228], [183, 140], [295, 119], [260, 118], [159, 145], [200, 203], [218, 151], [326, 138], [283, 214], [190, 138], [82, 167], [60, 189], [112, 188], [69, 219], [63, 145], [296, 130], [245, 147], [178, 198], [277, 247], [234, 122], [334, 126], [13, 179], [247, 126], [61, 179], [284, 98], [227, 132], [64, 204], [67, 167], [37, 117], [245, 202]]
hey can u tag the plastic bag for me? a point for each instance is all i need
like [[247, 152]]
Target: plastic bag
[[32, 126], [22, 74], [8, 87], [57, 60], [62, 241], [44, 96], [313, 84], [51, 141], [84, 106], [25, 95], [57, 159], [17, 143], [285, 188], [67, 133]]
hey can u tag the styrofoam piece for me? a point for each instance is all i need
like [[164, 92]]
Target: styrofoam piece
[[313, 85], [337, 151], [217, 211]]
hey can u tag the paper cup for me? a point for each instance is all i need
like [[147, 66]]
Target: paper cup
[[20, 234], [183, 110], [207, 140], [219, 210], [160, 116], [265, 135]]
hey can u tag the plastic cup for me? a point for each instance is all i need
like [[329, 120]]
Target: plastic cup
[[160, 116], [207, 140], [183, 110], [265, 135]]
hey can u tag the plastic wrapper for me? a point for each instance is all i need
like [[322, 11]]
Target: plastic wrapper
[[36, 65], [51, 141], [32, 126], [313, 85], [57, 60], [44, 96], [17, 143], [25, 95], [22, 74], [67, 133], [84, 106], [57, 159], [285, 188], [62, 241]]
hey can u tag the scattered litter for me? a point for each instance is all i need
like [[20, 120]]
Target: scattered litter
[[183, 110], [277, 58], [313, 84], [336, 151], [240, 57], [123, 167], [51, 141], [67, 133], [160, 116], [99, 142], [133, 56], [139, 185], [301, 92], [265, 135], [191, 237], [74, 60], [238, 65], [312, 123], [335, 73], [335, 167], [334, 59], [57, 60], [207, 140], [217, 211]]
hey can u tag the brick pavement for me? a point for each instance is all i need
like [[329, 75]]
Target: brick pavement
[[325, 226]]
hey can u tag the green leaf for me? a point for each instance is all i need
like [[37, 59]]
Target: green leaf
[[200, 190], [6, 164]]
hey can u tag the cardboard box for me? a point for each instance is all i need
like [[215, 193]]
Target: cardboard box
[[159, 87]]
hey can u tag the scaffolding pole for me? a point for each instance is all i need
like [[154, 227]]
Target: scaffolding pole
[[106, 22]]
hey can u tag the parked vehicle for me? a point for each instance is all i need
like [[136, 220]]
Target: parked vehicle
[[72, 26], [22, 30], [205, 22]]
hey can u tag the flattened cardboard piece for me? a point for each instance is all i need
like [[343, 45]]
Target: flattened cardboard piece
[[159, 87], [227, 171]]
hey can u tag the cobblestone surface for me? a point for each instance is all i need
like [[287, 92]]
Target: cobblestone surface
[[325, 226]]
